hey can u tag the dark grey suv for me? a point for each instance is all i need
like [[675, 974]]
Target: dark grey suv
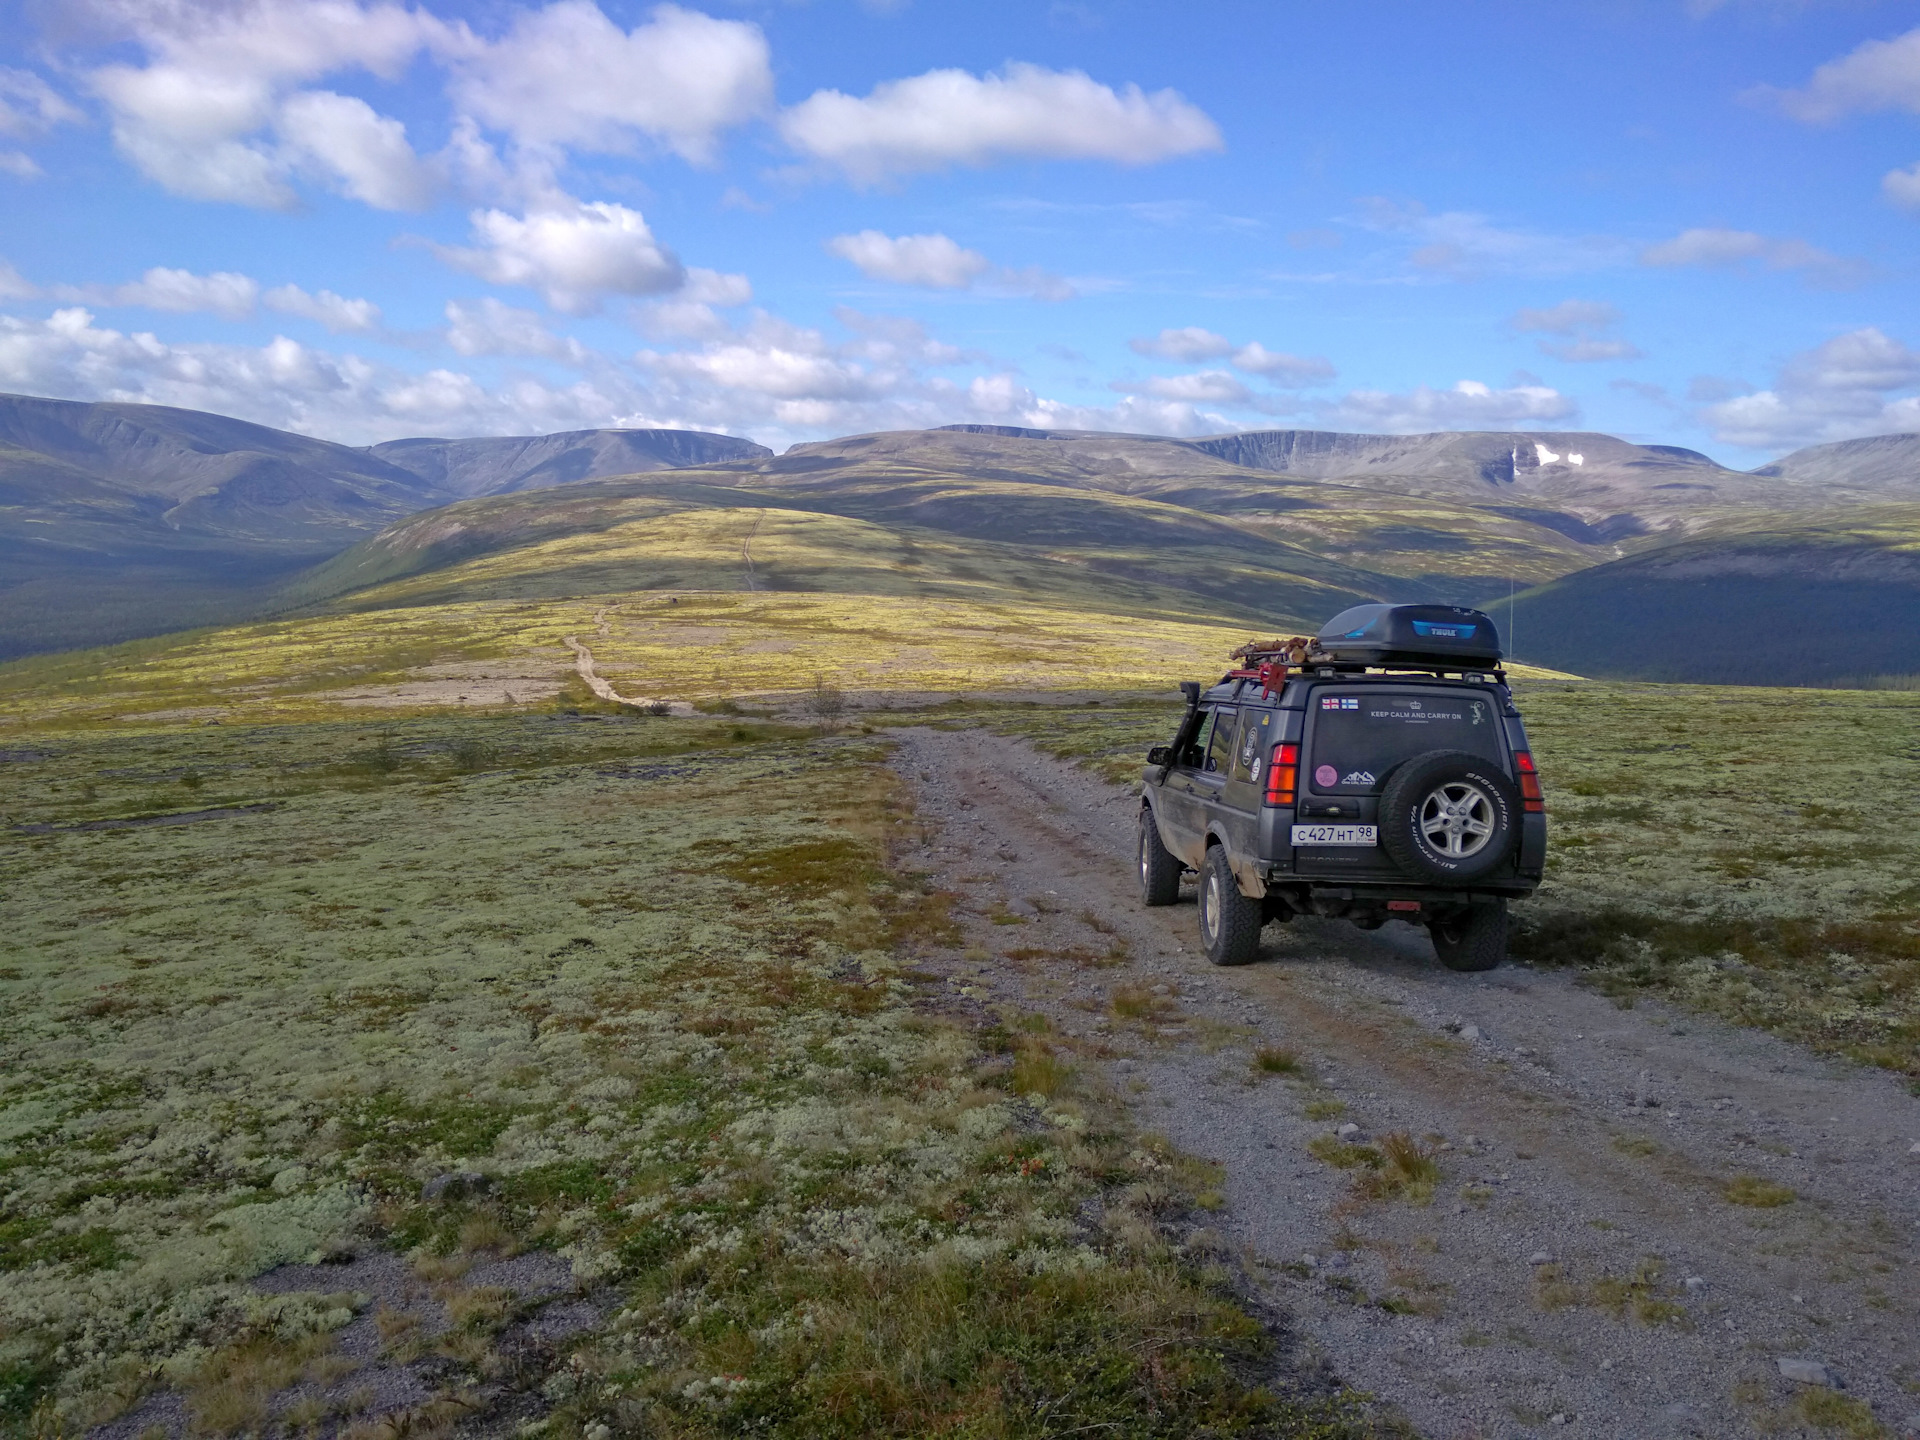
[[1376, 772]]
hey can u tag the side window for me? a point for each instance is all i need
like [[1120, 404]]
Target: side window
[[1220, 742], [1253, 739]]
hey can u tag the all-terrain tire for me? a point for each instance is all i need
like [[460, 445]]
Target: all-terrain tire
[[1475, 939], [1159, 870], [1449, 816], [1229, 921]]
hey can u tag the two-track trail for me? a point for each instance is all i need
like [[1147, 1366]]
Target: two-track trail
[[1580, 1268]]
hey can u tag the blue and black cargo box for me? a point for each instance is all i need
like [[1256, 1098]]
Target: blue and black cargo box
[[1428, 636]]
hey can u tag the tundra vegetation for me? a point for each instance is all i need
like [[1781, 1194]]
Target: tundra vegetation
[[656, 979], [662, 979]]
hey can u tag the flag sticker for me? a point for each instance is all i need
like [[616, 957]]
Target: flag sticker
[[1339, 702]]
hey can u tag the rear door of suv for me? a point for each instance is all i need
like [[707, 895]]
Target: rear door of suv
[[1356, 734]]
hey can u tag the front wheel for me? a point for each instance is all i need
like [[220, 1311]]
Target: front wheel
[[1159, 870], [1474, 939], [1229, 921]]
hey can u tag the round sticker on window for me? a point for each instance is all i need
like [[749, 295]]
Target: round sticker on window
[[1326, 777]]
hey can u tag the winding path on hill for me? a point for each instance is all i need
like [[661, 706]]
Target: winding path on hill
[[1580, 1269], [583, 663]]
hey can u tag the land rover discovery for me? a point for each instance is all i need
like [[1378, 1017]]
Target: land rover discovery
[[1378, 771]]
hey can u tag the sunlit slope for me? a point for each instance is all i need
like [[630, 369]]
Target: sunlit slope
[[901, 535], [1832, 599], [696, 647]]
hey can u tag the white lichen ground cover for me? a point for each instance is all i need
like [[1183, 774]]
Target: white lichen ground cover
[[654, 979]]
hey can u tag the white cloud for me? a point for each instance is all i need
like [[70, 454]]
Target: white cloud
[[1583, 324], [566, 75], [1188, 344], [221, 293], [573, 257], [1714, 248], [1879, 75], [490, 328], [930, 260], [192, 118], [29, 108], [295, 387], [1469, 405], [939, 263], [950, 117], [364, 154], [1192, 343], [14, 285], [1902, 187], [1207, 387], [1845, 388], [1280, 368], [337, 313]]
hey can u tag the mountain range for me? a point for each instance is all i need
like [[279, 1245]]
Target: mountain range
[[1610, 557]]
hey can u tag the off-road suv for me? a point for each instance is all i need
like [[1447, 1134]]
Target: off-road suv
[[1376, 772]]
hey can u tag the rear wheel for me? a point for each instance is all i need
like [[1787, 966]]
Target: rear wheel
[[1229, 921], [1159, 871], [1447, 815], [1472, 939]]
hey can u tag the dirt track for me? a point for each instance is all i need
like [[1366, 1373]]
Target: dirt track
[[1580, 1269]]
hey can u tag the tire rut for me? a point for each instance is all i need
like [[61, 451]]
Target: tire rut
[[1599, 1138]]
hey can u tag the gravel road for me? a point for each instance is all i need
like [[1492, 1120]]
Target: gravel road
[[1580, 1269]]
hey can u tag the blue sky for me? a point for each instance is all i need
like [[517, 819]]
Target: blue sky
[[1674, 220]]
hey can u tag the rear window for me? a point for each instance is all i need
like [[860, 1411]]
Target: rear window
[[1360, 735]]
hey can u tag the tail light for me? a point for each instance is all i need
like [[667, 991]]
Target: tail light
[[1530, 798], [1283, 775]]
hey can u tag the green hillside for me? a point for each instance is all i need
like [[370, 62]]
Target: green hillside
[[1833, 599]]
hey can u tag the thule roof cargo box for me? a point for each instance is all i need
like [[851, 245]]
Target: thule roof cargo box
[[1427, 636]]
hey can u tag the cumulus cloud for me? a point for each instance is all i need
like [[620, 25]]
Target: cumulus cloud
[[337, 313], [930, 260], [574, 257], [1902, 187], [944, 118], [488, 327], [1848, 387], [297, 387], [1205, 387], [1878, 75], [1722, 249], [194, 117], [937, 262], [1280, 368], [693, 311], [222, 293], [1189, 343], [1469, 405], [568, 76], [363, 154], [1583, 326]]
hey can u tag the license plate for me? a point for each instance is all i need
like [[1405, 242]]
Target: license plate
[[1336, 835]]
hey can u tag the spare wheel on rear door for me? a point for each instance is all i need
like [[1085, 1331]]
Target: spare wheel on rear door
[[1447, 815]]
